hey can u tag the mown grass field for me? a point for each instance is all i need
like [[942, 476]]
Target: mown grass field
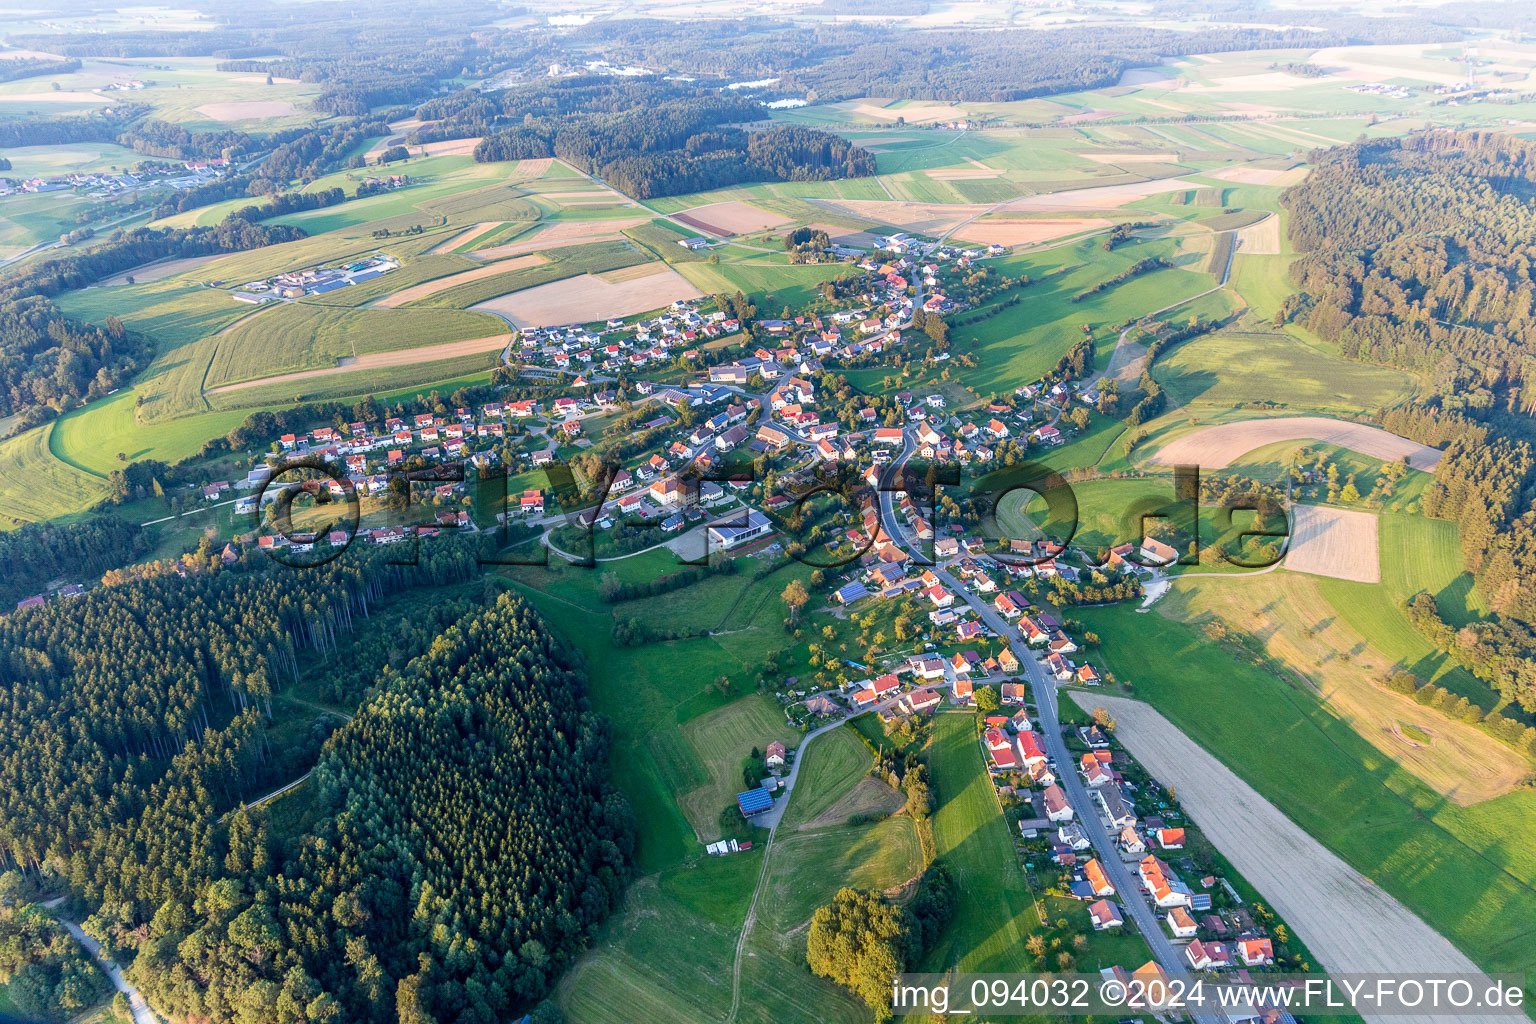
[[303, 335], [1022, 342], [994, 913], [1293, 622], [836, 762], [777, 286], [1468, 871], [34, 485], [1417, 554], [1229, 367], [721, 740], [175, 88]]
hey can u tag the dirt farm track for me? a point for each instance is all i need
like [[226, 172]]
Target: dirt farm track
[[1348, 923]]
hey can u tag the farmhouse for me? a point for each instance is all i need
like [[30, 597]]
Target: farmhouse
[[1158, 553], [775, 755]]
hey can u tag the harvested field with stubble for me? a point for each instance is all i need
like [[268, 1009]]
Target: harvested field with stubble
[[466, 236], [160, 271], [1336, 542], [589, 297], [562, 233], [1216, 447], [1348, 923], [730, 218], [246, 111], [1131, 158], [1021, 231], [1243, 175], [1292, 616], [421, 291], [381, 360], [1099, 197], [1261, 239]]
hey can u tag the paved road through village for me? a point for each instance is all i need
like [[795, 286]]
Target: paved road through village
[[1127, 885]]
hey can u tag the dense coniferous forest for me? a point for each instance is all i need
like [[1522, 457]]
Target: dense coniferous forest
[[1419, 254], [649, 138], [35, 554], [135, 715], [835, 62]]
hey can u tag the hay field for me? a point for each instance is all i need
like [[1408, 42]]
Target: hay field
[[589, 297], [382, 360], [421, 291], [562, 233], [1297, 622], [1261, 239], [1216, 447], [1336, 542], [1010, 231]]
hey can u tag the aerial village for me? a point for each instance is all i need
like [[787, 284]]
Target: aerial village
[[679, 402]]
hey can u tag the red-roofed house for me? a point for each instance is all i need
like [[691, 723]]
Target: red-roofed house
[[1097, 880], [1056, 806], [1256, 952], [1000, 747]]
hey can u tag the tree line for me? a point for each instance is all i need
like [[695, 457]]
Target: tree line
[[1418, 254], [676, 143], [37, 553]]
